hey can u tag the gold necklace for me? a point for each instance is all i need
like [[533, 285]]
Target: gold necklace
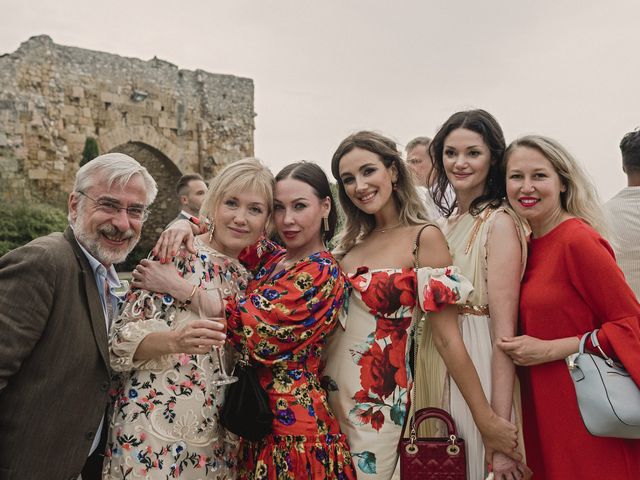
[[386, 229]]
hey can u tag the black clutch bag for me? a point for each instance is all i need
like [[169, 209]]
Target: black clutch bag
[[246, 411]]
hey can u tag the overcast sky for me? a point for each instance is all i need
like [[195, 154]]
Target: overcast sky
[[324, 69]]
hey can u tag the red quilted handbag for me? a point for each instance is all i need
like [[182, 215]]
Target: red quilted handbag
[[433, 458]]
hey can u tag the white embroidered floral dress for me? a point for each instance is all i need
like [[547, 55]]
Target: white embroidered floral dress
[[165, 418]]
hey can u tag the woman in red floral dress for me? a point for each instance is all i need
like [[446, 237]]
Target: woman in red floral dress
[[367, 368], [291, 306]]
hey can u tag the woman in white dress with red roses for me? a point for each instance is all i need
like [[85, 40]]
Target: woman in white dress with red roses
[[367, 370]]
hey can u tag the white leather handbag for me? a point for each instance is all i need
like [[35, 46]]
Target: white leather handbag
[[608, 398]]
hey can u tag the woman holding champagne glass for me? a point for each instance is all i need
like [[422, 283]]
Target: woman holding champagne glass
[[164, 343]]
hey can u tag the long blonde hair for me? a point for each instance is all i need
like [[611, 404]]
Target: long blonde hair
[[359, 224], [580, 199]]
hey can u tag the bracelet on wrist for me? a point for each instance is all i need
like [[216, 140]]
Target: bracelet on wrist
[[187, 302]]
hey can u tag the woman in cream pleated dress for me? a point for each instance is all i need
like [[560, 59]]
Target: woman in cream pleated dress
[[487, 241]]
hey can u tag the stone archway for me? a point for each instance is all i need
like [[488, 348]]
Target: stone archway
[[109, 140], [166, 205]]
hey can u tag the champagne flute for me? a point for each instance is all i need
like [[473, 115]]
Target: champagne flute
[[209, 304]]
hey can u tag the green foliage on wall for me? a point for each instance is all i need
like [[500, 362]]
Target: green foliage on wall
[[20, 223], [90, 150]]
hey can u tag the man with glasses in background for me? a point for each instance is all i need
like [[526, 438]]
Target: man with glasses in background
[[56, 306]]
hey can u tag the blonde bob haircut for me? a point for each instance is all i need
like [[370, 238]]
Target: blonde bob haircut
[[580, 199], [358, 224], [246, 175]]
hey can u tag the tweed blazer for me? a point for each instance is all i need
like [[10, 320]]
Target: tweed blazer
[[54, 373]]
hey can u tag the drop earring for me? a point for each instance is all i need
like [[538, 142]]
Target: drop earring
[[325, 223], [212, 228]]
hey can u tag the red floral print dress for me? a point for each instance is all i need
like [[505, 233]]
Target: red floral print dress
[[367, 370], [284, 321]]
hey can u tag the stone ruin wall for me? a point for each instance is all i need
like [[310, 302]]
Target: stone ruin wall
[[53, 97]]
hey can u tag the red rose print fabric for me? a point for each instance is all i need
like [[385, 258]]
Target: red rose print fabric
[[366, 370]]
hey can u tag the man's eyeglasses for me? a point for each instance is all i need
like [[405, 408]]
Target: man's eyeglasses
[[113, 208]]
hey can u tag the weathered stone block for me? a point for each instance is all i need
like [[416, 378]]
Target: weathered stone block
[[77, 92], [68, 111], [75, 138], [8, 166], [37, 173]]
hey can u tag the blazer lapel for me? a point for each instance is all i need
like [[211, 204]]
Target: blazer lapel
[[92, 295]]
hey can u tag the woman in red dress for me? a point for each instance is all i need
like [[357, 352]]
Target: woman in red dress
[[571, 286], [291, 305]]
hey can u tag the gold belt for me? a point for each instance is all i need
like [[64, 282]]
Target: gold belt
[[473, 309]]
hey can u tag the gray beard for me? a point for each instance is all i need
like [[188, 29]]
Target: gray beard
[[91, 243], [103, 255]]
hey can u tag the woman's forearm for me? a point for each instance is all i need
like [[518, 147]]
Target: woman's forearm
[[154, 345], [181, 290], [527, 351], [448, 341], [504, 268], [498, 434], [561, 348], [503, 373]]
